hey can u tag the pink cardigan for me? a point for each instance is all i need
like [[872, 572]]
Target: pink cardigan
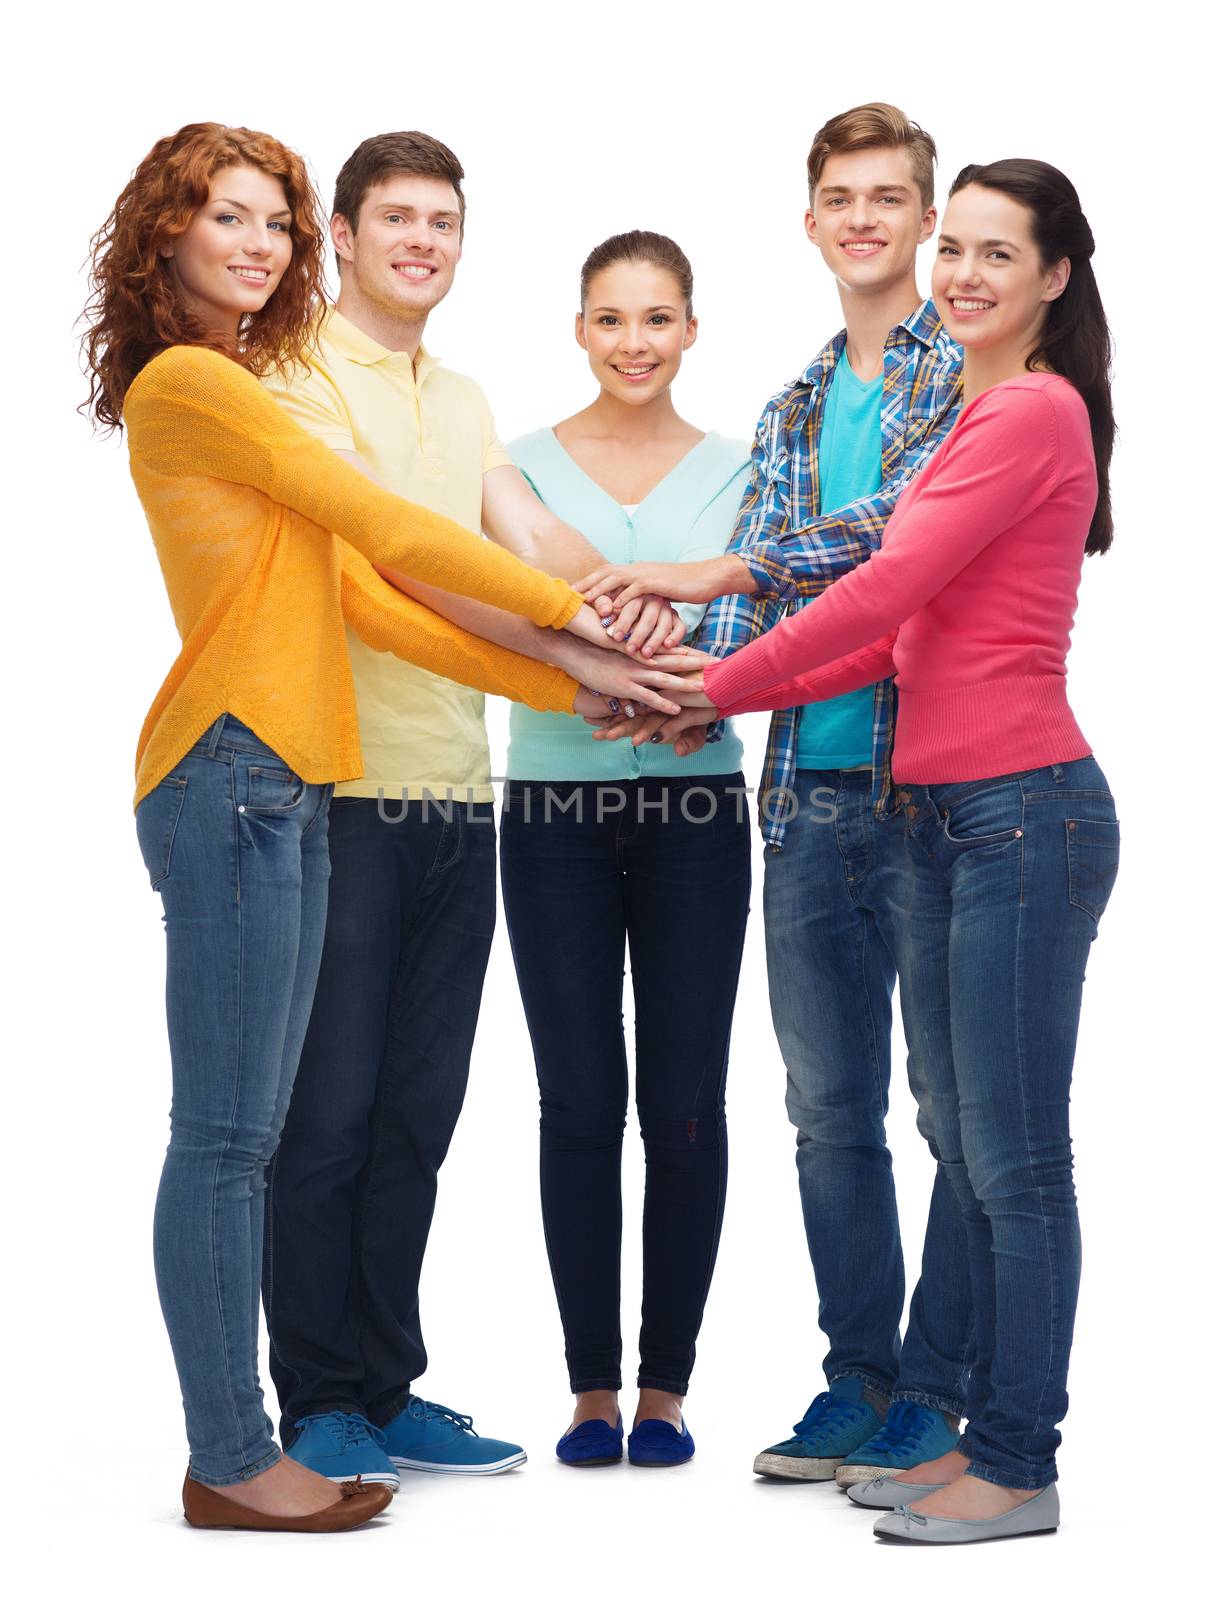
[[969, 601]]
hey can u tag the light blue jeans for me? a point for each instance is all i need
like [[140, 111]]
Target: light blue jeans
[[236, 845]]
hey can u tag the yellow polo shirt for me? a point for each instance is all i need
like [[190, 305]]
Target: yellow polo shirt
[[427, 434]]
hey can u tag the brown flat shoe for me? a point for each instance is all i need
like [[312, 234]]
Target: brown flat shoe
[[358, 1502]]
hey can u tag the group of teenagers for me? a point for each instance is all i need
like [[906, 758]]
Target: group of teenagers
[[892, 569]]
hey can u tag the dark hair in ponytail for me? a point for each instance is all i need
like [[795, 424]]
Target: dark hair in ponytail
[[653, 249], [1075, 341]]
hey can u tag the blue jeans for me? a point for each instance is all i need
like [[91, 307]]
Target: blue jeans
[[1010, 876], [352, 1189], [236, 845], [662, 864], [835, 902]]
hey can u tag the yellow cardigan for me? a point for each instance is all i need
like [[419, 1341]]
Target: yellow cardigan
[[250, 515]]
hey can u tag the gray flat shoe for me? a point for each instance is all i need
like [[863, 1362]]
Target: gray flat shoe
[[886, 1494], [1038, 1515]]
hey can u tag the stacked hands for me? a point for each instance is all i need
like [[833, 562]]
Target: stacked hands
[[651, 684]]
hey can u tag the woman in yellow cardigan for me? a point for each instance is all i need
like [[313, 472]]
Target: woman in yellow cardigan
[[206, 275]]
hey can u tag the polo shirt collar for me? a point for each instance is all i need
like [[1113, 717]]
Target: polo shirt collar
[[356, 345]]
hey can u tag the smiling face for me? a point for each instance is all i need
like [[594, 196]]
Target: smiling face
[[867, 218], [233, 253], [989, 282], [635, 328], [403, 255]]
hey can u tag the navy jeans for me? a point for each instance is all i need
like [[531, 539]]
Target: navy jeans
[[378, 1093], [836, 911], [1010, 876], [236, 845], [665, 864]]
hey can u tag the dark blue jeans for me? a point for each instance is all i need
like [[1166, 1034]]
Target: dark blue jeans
[[665, 864], [1010, 876], [379, 1090], [236, 845], [836, 901]]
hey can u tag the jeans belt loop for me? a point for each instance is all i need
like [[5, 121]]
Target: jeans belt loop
[[216, 734]]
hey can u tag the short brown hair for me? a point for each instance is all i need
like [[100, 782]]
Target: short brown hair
[[875, 126], [652, 249], [386, 155]]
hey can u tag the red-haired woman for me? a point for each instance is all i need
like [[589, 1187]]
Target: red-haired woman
[[207, 274]]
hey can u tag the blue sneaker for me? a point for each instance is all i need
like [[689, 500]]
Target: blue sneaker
[[654, 1443], [343, 1446], [837, 1422], [909, 1435], [594, 1443], [430, 1438]]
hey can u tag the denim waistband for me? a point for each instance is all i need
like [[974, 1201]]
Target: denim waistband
[[1084, 773], [228, 736]]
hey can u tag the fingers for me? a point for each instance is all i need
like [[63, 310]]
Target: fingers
[[666, 622], [635, 589], [649, 696], [624, 621], [650, 618], [676, 634], [689, 718], [691, 740], [682, 658], [603, 581]]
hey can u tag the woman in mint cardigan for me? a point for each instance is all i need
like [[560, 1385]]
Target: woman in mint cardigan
[[602, 845]]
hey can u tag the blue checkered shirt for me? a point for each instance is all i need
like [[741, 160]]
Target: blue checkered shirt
[[794, 552]]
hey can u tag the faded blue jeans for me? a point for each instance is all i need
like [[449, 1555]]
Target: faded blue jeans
[[236, 845], [836, 902], [1009, 878]]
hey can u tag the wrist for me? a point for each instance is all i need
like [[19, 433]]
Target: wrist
[[733, 576]]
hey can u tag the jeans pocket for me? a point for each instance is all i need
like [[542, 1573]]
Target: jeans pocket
[[156, 821], [986, 817], [270, 791], [1093, 851], [450, 845]]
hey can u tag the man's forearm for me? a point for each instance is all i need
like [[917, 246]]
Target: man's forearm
[[560, 551], [733, 576], [488, 622]]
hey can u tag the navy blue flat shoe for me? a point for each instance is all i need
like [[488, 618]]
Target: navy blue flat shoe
[[654, 1443], [592, 1444]]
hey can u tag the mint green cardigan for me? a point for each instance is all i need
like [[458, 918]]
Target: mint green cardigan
[[688, 516]]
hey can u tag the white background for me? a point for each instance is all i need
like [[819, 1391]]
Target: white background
[[573, 123]]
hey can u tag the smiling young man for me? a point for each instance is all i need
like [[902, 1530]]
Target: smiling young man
[[412, 900], [832, 453]]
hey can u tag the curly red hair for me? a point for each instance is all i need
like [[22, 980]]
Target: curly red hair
[[134, 310]]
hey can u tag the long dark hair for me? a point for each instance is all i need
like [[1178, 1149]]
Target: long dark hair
[[1075, 341]]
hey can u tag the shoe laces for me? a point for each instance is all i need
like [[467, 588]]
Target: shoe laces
[[429, 1411], [827, 1416], [904, 1426], [346, 1429]]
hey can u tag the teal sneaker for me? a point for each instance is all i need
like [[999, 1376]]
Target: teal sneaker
[[343, 1446], [838, 1422], [429, 1438], [909, 1435]]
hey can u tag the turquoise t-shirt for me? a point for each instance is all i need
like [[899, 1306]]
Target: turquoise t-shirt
[[689, 516], [838, 733]]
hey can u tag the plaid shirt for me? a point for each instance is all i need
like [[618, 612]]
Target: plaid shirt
[[794, 552]]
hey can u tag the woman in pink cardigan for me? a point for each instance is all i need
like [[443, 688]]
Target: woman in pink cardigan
[[1012, 835]]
